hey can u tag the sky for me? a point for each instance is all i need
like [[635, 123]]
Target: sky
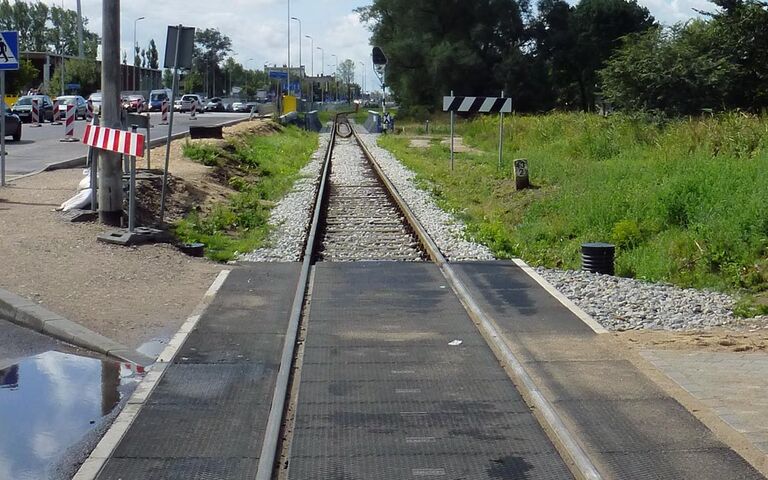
[[259, 28]]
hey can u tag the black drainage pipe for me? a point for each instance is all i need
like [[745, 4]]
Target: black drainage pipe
[[597, 257]]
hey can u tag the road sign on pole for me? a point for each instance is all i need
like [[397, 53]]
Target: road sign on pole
[[9, 60], [9, 50]]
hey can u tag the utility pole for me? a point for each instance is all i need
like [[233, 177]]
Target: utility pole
[[110, 168], [301, 90], [289, 47], [312, 83], [80, 48]]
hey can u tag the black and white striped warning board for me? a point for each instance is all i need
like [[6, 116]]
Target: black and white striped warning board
[[477, 104]]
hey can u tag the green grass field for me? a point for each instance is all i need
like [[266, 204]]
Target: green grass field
[[266, 168], [685, 201]]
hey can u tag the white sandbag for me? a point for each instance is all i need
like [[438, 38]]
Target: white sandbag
[[81, 200], [85, 182]]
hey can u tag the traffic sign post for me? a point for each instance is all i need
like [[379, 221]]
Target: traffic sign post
[[9, 60]]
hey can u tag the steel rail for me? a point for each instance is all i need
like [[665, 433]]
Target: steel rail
[[272, 432], [491, 331]]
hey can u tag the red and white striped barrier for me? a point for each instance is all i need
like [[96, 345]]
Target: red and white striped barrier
[[69, 125], [35, 113], [89, 110], [193, 115], [164, 109], [56, 114], [114, 140]]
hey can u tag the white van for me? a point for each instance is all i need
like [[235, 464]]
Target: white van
[[156, 98]]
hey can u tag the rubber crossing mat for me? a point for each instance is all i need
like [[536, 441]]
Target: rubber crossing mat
[[628, 426], [384, 394], [206, 417]]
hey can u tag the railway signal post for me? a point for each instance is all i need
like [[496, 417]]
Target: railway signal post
[[499, 105]]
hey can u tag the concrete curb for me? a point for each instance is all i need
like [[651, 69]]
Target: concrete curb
[[81, 160], [26, 313], [90, 469]]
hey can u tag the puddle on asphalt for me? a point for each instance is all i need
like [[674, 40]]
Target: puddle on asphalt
[[154, 347], [53, 407]]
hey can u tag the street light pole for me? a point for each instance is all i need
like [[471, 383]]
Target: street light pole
[[135, 47], [298, 20], [362, 87], [312, 83], [322, 68], [80, 50], [335, 84]]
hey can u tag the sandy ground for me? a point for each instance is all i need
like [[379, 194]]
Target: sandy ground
[[131, 295], [715, 340]]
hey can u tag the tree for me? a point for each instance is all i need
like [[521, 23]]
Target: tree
[[85, 72], [20, 80], [718, 63], [599, 27], [152, 55], [211, 47], [676, 71], [167, 78], [435, 46]]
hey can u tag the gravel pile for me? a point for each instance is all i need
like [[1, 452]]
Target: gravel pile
[[628, 304], [292, 216], [447, 231]]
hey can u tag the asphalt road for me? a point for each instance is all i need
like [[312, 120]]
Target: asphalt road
[[41, 146]]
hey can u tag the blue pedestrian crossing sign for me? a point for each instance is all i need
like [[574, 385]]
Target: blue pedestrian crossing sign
[[9, 50]]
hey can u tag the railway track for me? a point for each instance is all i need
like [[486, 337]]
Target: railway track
[[359, 216]]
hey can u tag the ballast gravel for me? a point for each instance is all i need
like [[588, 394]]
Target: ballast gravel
[[628, 304], [446, 230], [618, 304]]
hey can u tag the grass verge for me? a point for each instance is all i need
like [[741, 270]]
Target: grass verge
[[685, 202], [262, 170]]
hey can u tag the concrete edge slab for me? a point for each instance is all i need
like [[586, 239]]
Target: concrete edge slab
[[90, 469], [81, 160], [652, 366], [25, 313], [567, 303]]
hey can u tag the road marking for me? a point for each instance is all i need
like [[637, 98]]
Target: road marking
[[99, 456], [428, 472]]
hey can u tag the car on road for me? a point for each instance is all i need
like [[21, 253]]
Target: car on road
[[23, 107], [156, 98], [238, 107], [12, 125], [135, 103], [186, 102], [81, 107], [95, 99], [249, 107], [215, 105]]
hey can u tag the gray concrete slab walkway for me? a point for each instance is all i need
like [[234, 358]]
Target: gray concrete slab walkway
[[733, 385]]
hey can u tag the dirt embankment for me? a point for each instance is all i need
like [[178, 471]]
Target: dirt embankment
[[129, 294]]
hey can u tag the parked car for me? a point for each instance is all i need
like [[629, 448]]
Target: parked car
[[23, 107], [156, 98], [135, 103], [215, 105], [81, 108], [95, 99], [186, 102], [238, 107], [12, 125], [249, 107], [177, 105]]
